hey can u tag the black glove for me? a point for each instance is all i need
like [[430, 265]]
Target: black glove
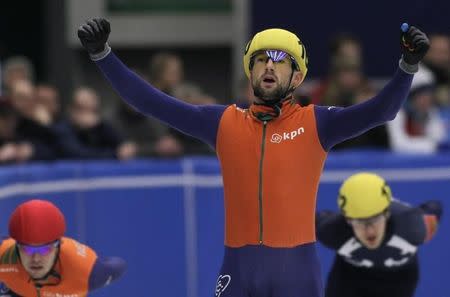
[[414, 44], [94, 35]]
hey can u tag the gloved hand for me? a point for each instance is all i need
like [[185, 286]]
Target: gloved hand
[[414, 44], [94, 34]]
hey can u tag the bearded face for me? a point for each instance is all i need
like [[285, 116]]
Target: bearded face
[[271, 75], [267, 87]]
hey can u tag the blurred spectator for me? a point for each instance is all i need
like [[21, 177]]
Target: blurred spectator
[[192, 94], [47, 96], [34, 124], [12, 149], [347, 85], [167, 74], [15, 69], [346, 80], [94, 137], [166, 71], [142, 130], [8, 121], [345, 45], [437, 61], [176, 143], [418, 127], [345, 73], [245, 93], [375, 138], [23, 99], [303, 95]]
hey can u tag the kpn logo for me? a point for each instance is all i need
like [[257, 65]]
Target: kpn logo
[[277, 138]]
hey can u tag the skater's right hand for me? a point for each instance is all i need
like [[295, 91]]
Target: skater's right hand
[[94, 34]]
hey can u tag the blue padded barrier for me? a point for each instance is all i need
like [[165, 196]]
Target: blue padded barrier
[[165, 217]]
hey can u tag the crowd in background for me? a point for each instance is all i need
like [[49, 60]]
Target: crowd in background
[[36, 125], [422, 124]]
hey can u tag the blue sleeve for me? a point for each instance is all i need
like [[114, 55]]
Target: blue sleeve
[[7, 292], [432, 207], [200, 121], [336, 124], [410, 225], [105, 271], [331, 229]]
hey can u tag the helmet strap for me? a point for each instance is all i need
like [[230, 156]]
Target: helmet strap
[[268, 116]]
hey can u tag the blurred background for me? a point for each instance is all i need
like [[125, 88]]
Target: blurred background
[[133, 187]]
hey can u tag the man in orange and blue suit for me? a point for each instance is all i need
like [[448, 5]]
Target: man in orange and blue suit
[[269, 153], [38, 260]]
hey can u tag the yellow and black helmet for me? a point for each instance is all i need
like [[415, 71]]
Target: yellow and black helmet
[[364, 195], [277, 39]]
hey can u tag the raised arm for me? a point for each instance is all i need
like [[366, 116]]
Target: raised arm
[[199, 121], [105, 271], [337, 124]]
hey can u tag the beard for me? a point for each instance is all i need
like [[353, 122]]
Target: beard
[[278, 93]]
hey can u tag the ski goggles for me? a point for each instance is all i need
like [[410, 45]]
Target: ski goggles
[[276, 56], [42, 250]]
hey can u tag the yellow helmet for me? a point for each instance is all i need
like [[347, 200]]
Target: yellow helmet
[[364, 195], [277, 39]]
